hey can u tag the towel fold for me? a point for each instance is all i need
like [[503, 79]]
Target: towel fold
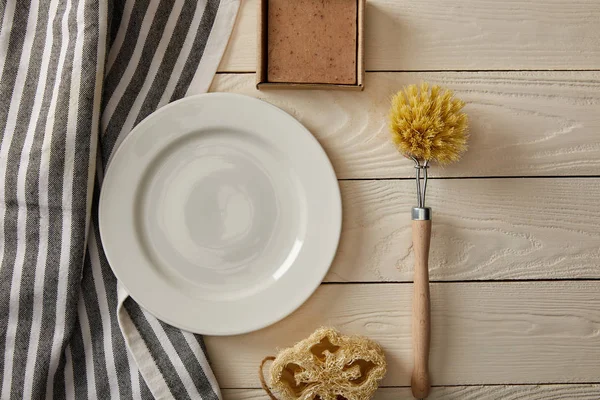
[[76, 77]]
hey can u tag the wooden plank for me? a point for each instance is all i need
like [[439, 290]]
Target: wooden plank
[[483, 333], [522, 123], [546, 228], [458, 35], [515, 392]]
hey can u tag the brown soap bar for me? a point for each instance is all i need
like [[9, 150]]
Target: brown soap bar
[[312, 41]]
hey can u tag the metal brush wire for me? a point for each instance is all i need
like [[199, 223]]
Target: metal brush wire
[[420, 212], [421, 168]]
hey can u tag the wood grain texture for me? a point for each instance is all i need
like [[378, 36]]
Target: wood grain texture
[[421, 318], [538, 228], [521, 123], [482, 333], [458, 35], [519, 392]]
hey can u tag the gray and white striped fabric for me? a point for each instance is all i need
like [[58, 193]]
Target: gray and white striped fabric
[[76, 76]]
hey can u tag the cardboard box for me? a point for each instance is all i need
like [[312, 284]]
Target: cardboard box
[[311, 44]]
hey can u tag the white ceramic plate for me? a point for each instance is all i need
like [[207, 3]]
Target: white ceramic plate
[[220, 214]]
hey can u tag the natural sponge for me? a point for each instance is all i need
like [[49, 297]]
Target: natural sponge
[[328, 366]]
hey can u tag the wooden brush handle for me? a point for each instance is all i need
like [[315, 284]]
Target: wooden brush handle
[[421, 333]]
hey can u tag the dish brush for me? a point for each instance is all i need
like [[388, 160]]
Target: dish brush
[[427, 125]]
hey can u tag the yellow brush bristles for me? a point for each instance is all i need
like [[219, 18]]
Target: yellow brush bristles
[[429, 124]]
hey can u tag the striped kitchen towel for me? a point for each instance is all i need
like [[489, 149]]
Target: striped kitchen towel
[[76, 76]]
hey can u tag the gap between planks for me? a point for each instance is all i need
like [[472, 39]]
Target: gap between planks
[[490, 385], [459, 70], [474, 177], [408, 282], [488, 392], [440, 71]]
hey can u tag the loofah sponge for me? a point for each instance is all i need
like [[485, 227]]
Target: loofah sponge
[[329, 366], [428, 124]]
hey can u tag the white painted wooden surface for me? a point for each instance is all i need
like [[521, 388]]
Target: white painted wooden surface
[[482, 229], [518, 206], [520, 392], [482, 333], [522, 123], [459, 35]]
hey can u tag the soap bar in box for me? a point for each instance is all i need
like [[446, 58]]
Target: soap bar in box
[[312, 41]]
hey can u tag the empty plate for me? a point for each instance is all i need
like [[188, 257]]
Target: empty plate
[[220, 214]]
